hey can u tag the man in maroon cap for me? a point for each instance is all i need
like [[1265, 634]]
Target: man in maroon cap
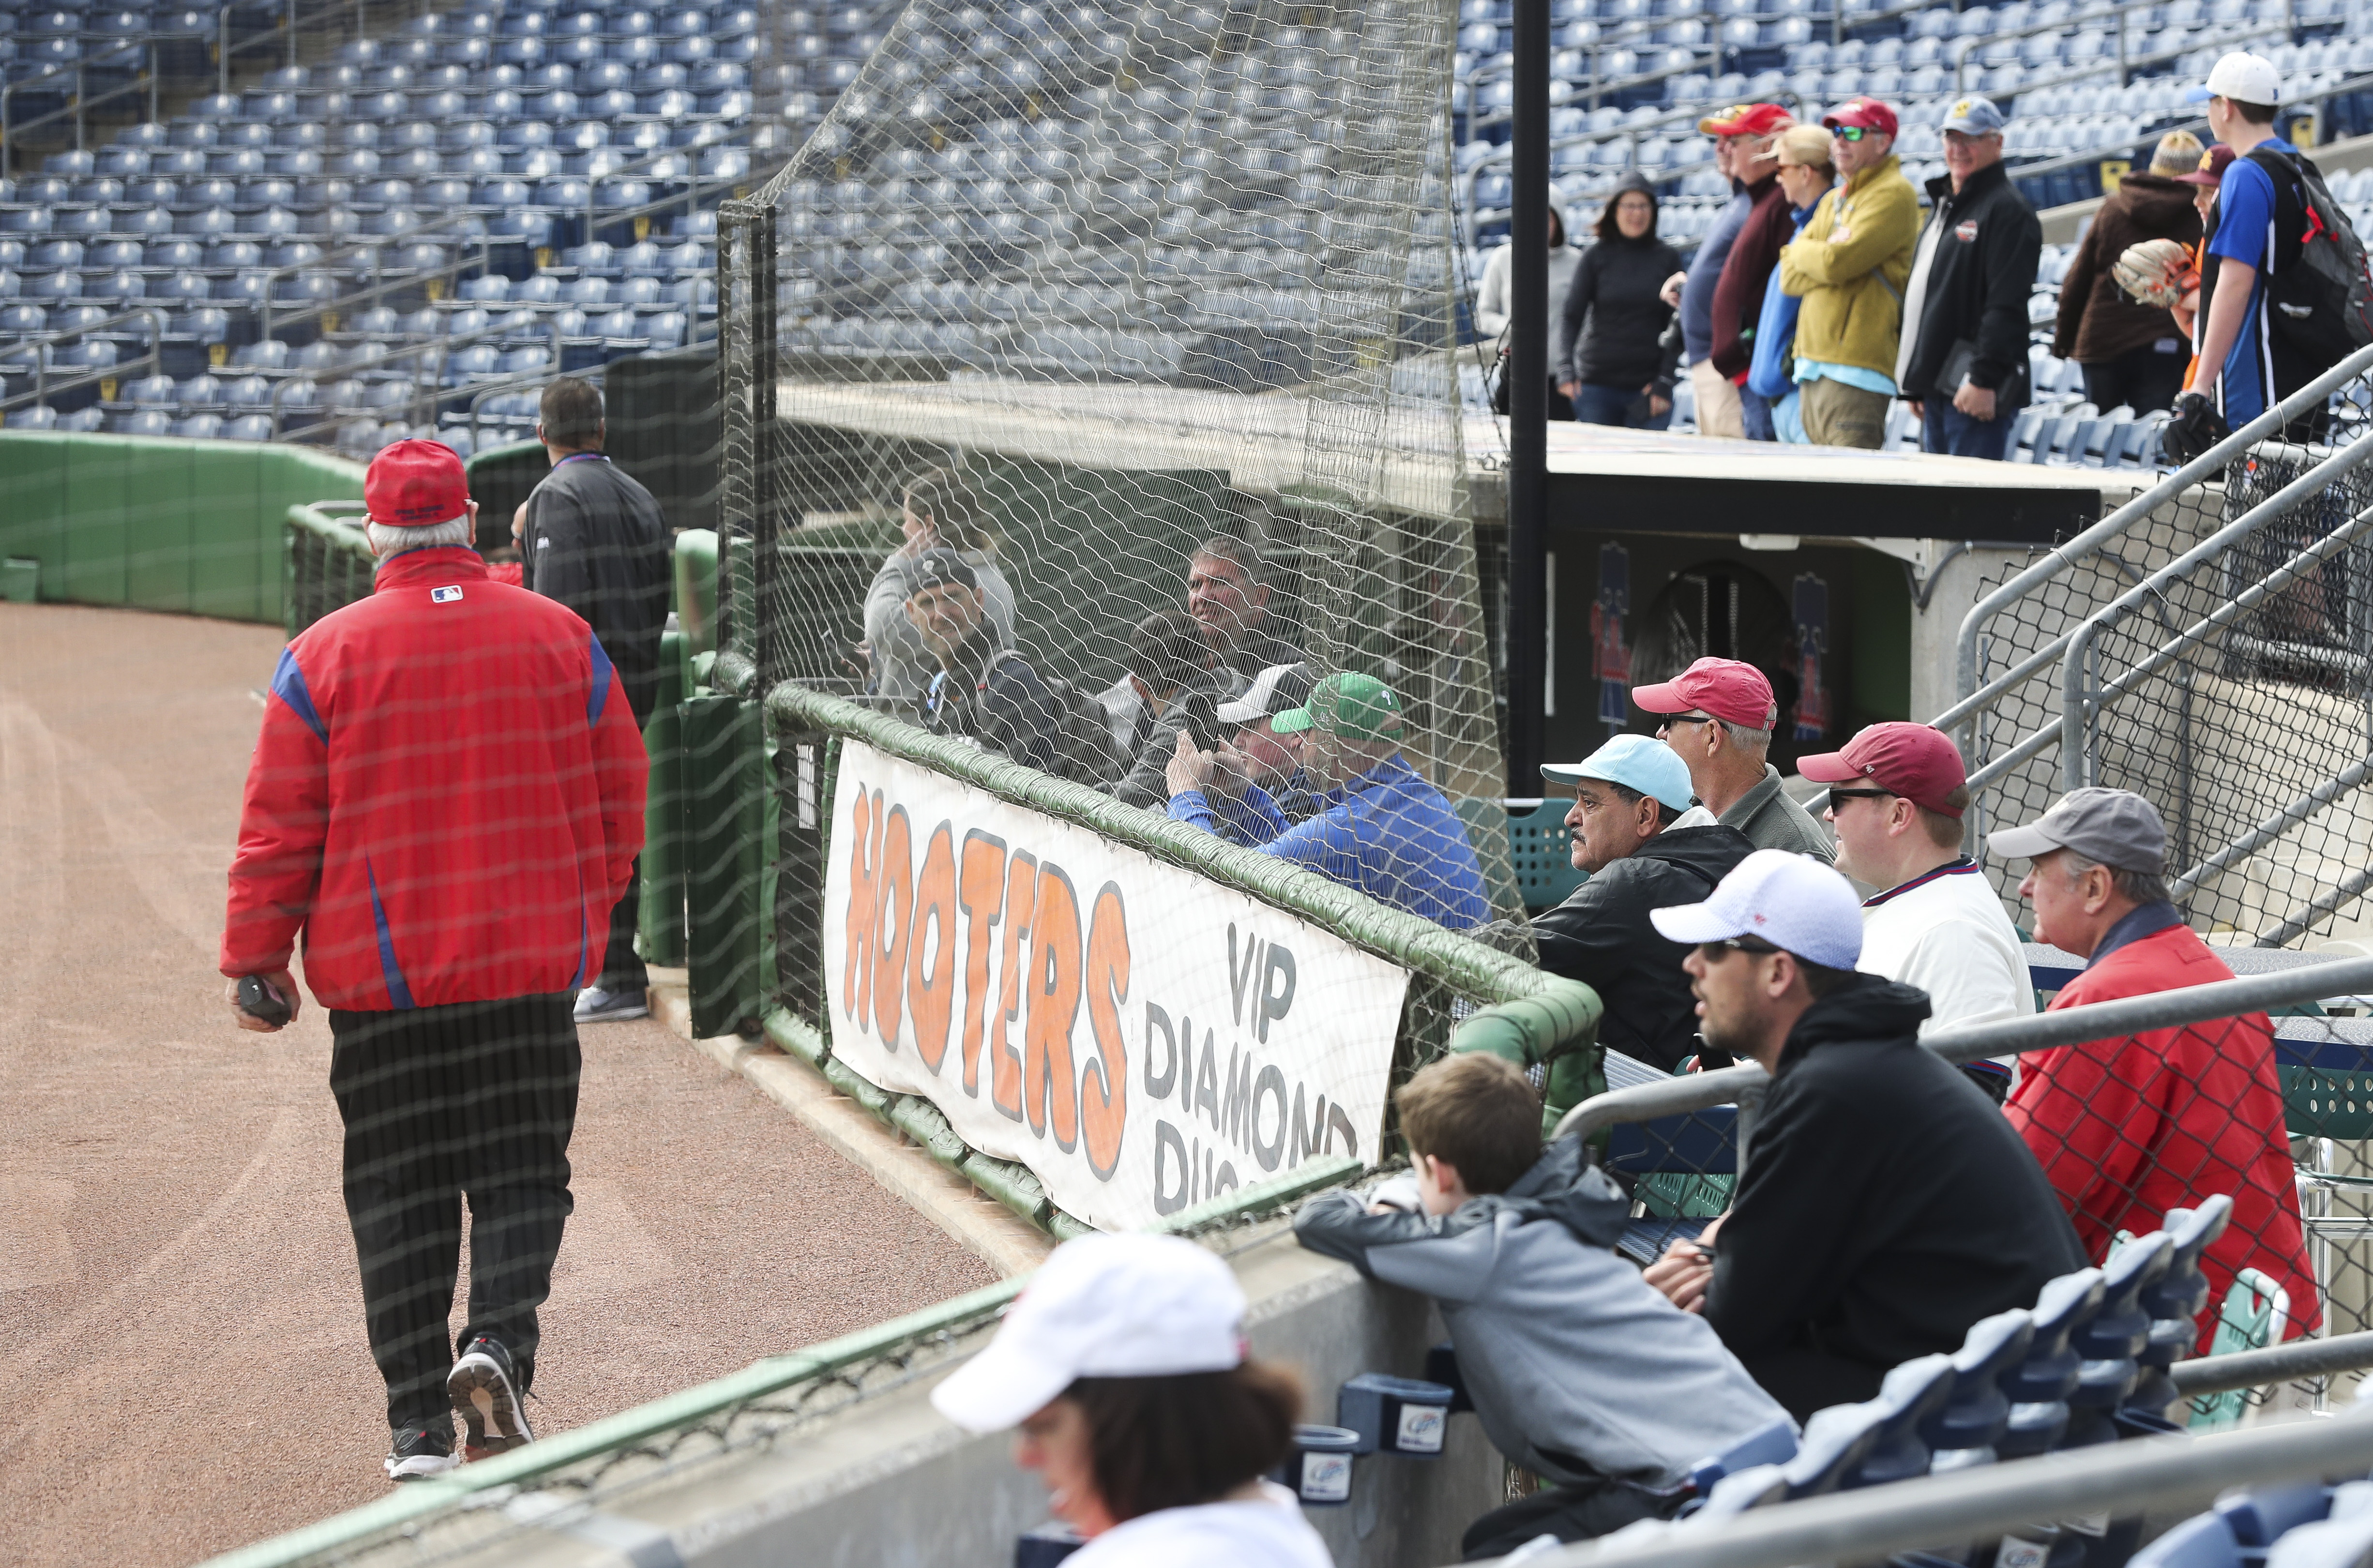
[[1718, 716], [446, 800], [1897, 795]]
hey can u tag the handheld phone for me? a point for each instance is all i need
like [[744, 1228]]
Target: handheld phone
[[260, 998]]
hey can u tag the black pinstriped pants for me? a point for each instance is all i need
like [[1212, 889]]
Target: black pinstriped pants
[[474, 1100]]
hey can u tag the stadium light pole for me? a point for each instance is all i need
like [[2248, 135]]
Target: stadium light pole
[[1528, 292]]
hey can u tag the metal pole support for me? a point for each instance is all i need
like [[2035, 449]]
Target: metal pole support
[[1528, 372]]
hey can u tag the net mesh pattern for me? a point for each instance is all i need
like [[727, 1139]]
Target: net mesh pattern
[[2235, 693]]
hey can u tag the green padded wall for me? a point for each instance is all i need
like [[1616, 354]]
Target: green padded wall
[[188, 526]]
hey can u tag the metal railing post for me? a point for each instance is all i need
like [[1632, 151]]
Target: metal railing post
[[222, 51], [292, 31], [78, 105]]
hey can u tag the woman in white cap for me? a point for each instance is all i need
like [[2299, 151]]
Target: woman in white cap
[[1123, 1366]]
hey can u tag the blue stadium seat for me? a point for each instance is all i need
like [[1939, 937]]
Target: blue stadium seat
[[248, 427], [201, 426], [201, 391], [2038, 1384], [2203, 1541], [2262, 1514]]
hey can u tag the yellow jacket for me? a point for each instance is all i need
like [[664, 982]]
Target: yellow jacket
[[1849, 264]]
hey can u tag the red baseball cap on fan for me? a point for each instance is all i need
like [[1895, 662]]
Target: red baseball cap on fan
[[1918, 762], [415, 485], [1729, 690], [1866, 112], [1747, 119]]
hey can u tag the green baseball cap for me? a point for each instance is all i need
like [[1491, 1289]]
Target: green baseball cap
[[1361, 706]]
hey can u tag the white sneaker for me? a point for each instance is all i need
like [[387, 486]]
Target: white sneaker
[[595, 1005]]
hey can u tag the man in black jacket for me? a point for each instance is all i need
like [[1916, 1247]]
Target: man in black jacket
[[1965, 368], [1628, 796], [593, 539], [987, 694], [1887, 1205]]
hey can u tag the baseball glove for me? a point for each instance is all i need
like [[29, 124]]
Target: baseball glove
[[2195, 426], [2154, 272]]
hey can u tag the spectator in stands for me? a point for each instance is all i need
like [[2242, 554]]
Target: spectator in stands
[[2244, 369], [1718, 717], [938, 512], [2132, 354], [2204, 181], [1124, 1371], [1383, 831], [1170, 676], [1272, 760], [1629, 796], [984, 691], [2130, 1128], [447, 798], [1888, 1205], [1691, 292], [1897, 796], [1492, 313], [1849, 264], [1618, 371], [1963, 359], [1753, 130], [1805, 176], [1579, 1371], [593, 539], [1228, 593]]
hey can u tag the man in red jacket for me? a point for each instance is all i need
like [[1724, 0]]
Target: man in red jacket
[[447, 798], [2128, 1129]]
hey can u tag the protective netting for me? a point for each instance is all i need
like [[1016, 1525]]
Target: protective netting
[[2235, 692], [1143, 310]]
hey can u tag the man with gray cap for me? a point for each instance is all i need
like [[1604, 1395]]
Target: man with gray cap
[[1627, 798], [2129, 1128], [1963, 359], [1889, 1205]]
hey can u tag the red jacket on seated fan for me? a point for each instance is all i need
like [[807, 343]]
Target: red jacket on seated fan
[[447, 797], [2128, 1129]]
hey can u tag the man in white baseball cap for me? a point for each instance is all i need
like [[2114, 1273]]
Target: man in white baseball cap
[[1123, 1363], [1888, 1205]]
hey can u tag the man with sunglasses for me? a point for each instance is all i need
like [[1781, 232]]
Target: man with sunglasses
[[1849, 264], [1897, 794], [1719, 715], [1889, 1205]]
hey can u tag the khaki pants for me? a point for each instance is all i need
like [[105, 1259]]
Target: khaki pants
[[1718, 413], [1838, 415]]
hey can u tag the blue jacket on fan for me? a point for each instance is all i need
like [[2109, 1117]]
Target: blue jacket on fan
[[1775, 330]]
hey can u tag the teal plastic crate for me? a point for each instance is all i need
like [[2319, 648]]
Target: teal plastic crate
[[1538, 846]]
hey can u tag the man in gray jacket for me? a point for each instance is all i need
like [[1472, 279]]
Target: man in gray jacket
[[1579, 1370]]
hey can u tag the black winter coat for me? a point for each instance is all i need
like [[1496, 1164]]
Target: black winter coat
[[1978, 284], [595, 542], [1614, 319], [1602, 937], [1886, 1206]]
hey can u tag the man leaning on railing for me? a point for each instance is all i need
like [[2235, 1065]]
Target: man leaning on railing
[[2128, 1129]]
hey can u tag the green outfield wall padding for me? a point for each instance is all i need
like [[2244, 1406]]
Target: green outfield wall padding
[[187, 526]]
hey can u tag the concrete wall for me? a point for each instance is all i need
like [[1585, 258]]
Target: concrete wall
[[888, 1482]]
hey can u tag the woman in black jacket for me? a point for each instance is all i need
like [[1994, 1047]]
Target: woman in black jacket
[[1617, 369]]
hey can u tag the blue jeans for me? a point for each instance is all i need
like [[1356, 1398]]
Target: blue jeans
[[1755, 414], [1945, 429], [1618, 405]]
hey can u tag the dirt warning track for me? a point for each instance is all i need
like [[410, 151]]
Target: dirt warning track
[[183, 1367]]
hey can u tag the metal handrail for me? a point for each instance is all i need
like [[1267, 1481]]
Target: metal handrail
[[81, 103], [43, 388], [443, 348]]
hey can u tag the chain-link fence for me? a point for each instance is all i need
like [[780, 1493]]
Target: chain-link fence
[[2209, 646]]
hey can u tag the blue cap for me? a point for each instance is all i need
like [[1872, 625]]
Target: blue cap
[[1637, 762], [1974, 117]]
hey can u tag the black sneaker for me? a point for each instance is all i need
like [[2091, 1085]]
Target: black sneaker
[[486, 1395], [419, 1452]]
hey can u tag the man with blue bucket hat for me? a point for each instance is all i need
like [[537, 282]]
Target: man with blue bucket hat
[[1642, 853]]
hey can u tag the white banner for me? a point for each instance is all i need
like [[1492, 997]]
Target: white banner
[[1140, 1038]]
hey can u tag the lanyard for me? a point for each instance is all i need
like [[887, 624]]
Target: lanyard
[[582, 457]]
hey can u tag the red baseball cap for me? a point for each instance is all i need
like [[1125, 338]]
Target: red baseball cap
[[1724, 687], [1866, 112], [415, 485], [1918, 762], [1747, 119]]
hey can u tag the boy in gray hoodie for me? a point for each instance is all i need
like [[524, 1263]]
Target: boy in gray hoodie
[[1579, 1370]]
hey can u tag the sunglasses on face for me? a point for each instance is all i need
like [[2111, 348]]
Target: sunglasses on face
[[1838, 798], [1850, 133], [1715, 952], [1673, 718]]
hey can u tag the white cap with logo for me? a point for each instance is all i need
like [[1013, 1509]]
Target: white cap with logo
[[1793, 902], [1101, 1307], [2243, 78]]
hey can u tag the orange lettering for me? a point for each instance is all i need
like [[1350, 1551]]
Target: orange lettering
[[1104, 1082], [930, 998], [1049, 1085], [895, 876], [982, 891], [864, 865], [1021, 905]]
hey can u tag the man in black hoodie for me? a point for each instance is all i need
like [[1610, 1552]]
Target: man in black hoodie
[[1887, 1204], [1629, 797], [1963, 363], [989, 694]]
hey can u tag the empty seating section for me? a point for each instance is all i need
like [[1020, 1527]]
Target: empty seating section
[[347, 250]]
